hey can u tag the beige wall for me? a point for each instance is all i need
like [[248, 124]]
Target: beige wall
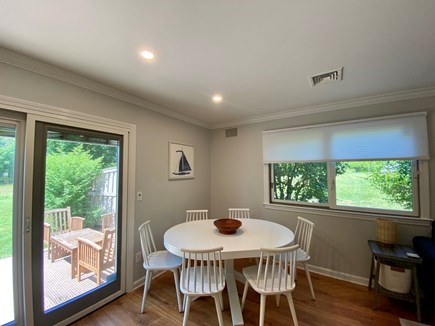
[[339, 244], [164, 202]]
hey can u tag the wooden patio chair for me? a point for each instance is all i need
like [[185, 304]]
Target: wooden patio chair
[[59, 220], [107, 221], [95, 258]]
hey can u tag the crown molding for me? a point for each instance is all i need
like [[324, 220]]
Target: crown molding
[[341, 105], [20, 105], [24, 62]]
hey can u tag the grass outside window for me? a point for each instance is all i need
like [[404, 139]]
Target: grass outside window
[[6, 191]]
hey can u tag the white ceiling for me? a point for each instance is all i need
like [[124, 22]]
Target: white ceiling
[[257, 53]]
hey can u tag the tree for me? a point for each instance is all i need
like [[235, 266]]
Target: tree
[[109, 154], [304, 182], [7, 156], [394, 179], [68, 180]]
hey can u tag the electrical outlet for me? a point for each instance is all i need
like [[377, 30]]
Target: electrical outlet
[[138, 257]]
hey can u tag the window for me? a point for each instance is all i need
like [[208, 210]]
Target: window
[[375, 186], [363, 165], [299, 183]]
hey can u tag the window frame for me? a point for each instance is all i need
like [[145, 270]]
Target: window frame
[[420, 195]]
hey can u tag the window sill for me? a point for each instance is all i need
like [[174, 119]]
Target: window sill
[[420, 221]]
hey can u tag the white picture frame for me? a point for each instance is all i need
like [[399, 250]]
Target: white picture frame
[[181, 161]]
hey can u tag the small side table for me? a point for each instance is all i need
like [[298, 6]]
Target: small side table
[[395, 254]]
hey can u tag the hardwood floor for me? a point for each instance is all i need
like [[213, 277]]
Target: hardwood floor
[[337, 303]]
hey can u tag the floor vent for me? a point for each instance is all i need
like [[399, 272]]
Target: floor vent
[[326, 77], [231, 132]]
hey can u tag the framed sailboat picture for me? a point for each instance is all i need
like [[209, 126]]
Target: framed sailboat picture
[[181, 161]]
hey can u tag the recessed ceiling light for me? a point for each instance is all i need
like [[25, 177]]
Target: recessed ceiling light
[[147, 55], [217, 98]]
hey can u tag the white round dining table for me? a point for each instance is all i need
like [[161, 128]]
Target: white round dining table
[[245, 243]]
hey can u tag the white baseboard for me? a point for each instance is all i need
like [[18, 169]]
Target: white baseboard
[[339, 275], [315, 269], [138, 283]]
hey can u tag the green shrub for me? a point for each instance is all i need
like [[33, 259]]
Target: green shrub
[[393, 178], [68, 181], [7, 155]]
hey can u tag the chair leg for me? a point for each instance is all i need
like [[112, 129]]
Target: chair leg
[[221, 301], [292, 308], [149, 280], [146, 285], [177, 289], [98, 276], [262, 309], [79, 272], [218, 308], [188, 301], [184, 302], [277, 297], [307, 272], [245, 292]]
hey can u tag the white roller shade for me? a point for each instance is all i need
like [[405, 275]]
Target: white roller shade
[[394, 137]]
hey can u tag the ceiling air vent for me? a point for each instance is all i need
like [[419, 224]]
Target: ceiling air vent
[[326, 77]]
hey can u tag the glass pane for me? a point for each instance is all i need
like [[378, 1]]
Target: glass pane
[[300, 182], [375, 184], [7, 158], [80, 215]]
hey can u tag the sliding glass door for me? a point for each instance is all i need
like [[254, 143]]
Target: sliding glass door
[[62, 215], [11, 200], [76, 220], [9, 249]]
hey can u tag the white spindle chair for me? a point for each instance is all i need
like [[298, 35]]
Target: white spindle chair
[[202, 274], [238, 212], [154, 260], [274, 275], [196, 214], [303, 234]]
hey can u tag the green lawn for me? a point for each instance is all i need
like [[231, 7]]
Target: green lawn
[[6, 220], [353, 189]]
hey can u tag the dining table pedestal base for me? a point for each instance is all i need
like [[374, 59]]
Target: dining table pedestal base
[[233, 295]]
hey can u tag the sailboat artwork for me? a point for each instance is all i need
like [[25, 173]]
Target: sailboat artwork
[[183, 165], [181, 161]]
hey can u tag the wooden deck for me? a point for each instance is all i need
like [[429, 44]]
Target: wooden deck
[[58, 284], [59, 287]]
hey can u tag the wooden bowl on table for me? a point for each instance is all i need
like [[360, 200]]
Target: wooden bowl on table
[[227, 225]]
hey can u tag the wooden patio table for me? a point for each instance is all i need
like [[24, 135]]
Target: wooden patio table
[[66, 244]]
